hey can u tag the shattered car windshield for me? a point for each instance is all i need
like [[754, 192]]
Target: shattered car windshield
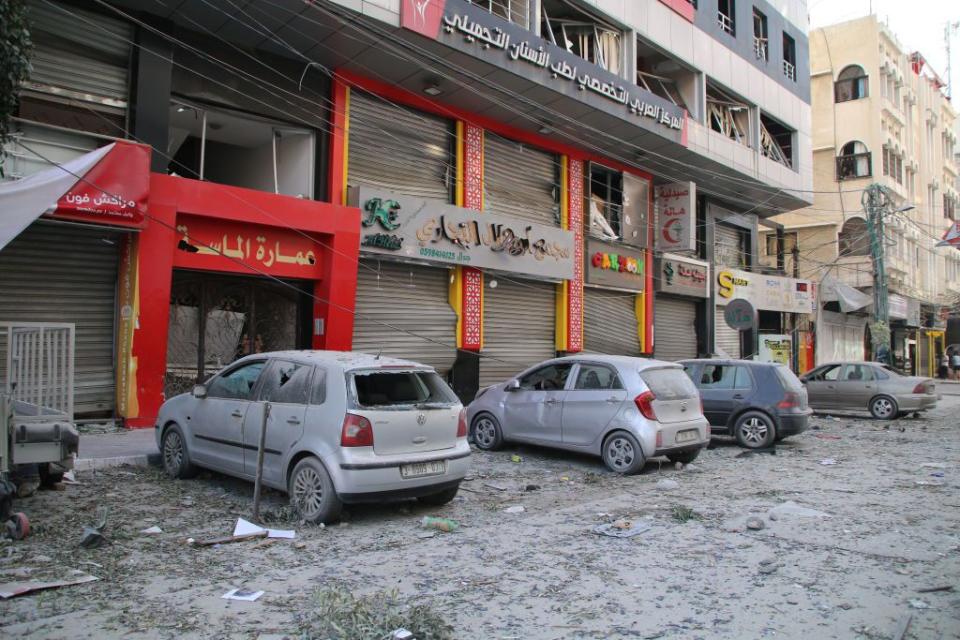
[[423, 389]]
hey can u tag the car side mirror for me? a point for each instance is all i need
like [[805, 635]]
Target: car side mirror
[[199, 391], [513, 385]]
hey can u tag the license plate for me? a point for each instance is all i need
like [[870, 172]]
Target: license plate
[[688, 435], [420, 469]]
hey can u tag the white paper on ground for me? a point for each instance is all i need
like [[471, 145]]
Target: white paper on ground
[[152, 530], [242, 594], [245, 527]]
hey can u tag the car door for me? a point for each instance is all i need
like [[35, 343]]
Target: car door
[[716, 385], [535, 410], [822, 386], [592, 401], [285, 385], [217, 423], [856, 385]]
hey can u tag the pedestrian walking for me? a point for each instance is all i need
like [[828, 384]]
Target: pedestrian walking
[[955, 364], [943, 371]]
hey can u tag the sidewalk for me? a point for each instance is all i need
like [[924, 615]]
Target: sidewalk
[[135, 446]]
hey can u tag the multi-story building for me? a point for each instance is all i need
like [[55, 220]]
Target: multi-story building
[[879, 116], [531, 177]]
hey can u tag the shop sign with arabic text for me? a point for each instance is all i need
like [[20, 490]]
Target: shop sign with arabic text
[[408, 227], [676, 212], [768, 293]]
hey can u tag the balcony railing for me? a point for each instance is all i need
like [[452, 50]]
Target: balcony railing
[[760, 47], [790, 70], [725, 22]]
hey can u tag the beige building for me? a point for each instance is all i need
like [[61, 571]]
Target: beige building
[[878, 115]]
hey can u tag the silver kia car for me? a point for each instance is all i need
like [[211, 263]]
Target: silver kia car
[[341, 427], [621, 408]]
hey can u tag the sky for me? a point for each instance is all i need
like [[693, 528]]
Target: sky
[[918, 25]]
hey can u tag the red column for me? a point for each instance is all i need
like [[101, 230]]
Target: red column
[[575, 288], [472, 281]]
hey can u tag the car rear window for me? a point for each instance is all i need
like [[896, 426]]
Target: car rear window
[[401, 389], [789, 381], [669, 384]]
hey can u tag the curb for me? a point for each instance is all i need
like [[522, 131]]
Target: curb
[[92, 464]]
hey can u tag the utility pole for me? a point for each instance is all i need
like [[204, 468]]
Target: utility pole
[[875, 202]]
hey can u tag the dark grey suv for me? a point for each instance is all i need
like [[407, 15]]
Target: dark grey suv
[[756, 402]]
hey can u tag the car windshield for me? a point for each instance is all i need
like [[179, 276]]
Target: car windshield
[[787, 378], [669, 384], [893, 373], [401, 389]]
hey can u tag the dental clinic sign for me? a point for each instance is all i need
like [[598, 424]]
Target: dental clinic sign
[[406, 227], [473, 29]]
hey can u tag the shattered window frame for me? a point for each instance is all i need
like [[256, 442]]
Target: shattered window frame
[[776, 141], [514, 11], [728, 116], [761, 36], [583, 34]]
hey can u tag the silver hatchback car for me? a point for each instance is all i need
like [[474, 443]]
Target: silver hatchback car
[[341, 427], [622, 408]]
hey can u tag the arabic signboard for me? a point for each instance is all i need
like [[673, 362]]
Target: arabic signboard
[[614, 265], [676, 216], [473, 29], [114, 191], [740, 315], [776, 348], [682, 276], [769, 293], [407, 227], [221, 245]]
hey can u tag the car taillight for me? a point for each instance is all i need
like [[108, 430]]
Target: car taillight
[[462, 424], [921, 388], [790, 400], [644, 403], [357, 432]]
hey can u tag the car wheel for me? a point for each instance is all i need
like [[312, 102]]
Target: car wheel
[[49, 477], [176, 458], [754, 430], [440, 498], [684, 458], [312, 493], [884, 408], [486, 432], [622, 453]]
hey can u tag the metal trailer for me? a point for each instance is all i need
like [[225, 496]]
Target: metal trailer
[[38, 439]]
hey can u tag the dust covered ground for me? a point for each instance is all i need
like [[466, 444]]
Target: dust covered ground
[[890, 528]]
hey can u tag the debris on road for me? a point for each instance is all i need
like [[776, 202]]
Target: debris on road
[[246, 595], [92, 536], [515, 509], [14, 589], [515, 458], [756, 524], [440, 524], [227, 539], [919, 604], [666, 484], [152, 531], [946, 587], [622, 528], [828, 462], [791, 508], [336, 613], [495, 487], [245, 526]]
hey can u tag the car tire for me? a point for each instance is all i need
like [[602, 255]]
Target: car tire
[[174, 454], [684, 458], [754, 430], [312, 493], [486, 432], [49, 477], [622, 453], [440, 498], [884, 408]]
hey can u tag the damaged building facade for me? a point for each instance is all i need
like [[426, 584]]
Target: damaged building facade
[[475, 185]]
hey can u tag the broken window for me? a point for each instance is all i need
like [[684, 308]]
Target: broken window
[[854, 161], [515, 11], [666, 77], [582, 34], [853, 239], [726, 17], [760, 38], [776, 141], [949, 207], [851, 84], [789, 57], [606, 203], [239, 149], [727, 115]]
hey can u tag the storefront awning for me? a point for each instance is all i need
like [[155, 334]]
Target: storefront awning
[[105, 186], [850, 299]]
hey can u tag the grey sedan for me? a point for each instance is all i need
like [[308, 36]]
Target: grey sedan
[[868, 385]]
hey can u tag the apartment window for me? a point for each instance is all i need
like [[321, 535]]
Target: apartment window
[[776, 141], [515, 11], [582, 34], [853, 239], [851, 84], [666, 77], [854, 161], [948, 207], [728, 115], [726, 17], [789, 243], [789, 57], [760, 38]]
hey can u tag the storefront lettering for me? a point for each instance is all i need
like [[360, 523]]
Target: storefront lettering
[[615, 262], [728, 282], [692, 274], [383, 241], [265, 254], [498, 237], [386, 212]]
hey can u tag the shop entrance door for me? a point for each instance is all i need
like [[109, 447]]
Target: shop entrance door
[[215, 319]]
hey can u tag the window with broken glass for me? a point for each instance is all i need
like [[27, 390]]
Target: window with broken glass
[[582, 34], [727, 115], [515, 11], [760, 37], [605, 220], [776, 141], [665, 76]]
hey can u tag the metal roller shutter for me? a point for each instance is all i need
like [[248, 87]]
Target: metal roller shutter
[[88, 54], [67, 273], [518, 328], [726, 338], [520, 181], [399, 149], [729, 246], [415, 300], [610, 322], [675, 330]]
